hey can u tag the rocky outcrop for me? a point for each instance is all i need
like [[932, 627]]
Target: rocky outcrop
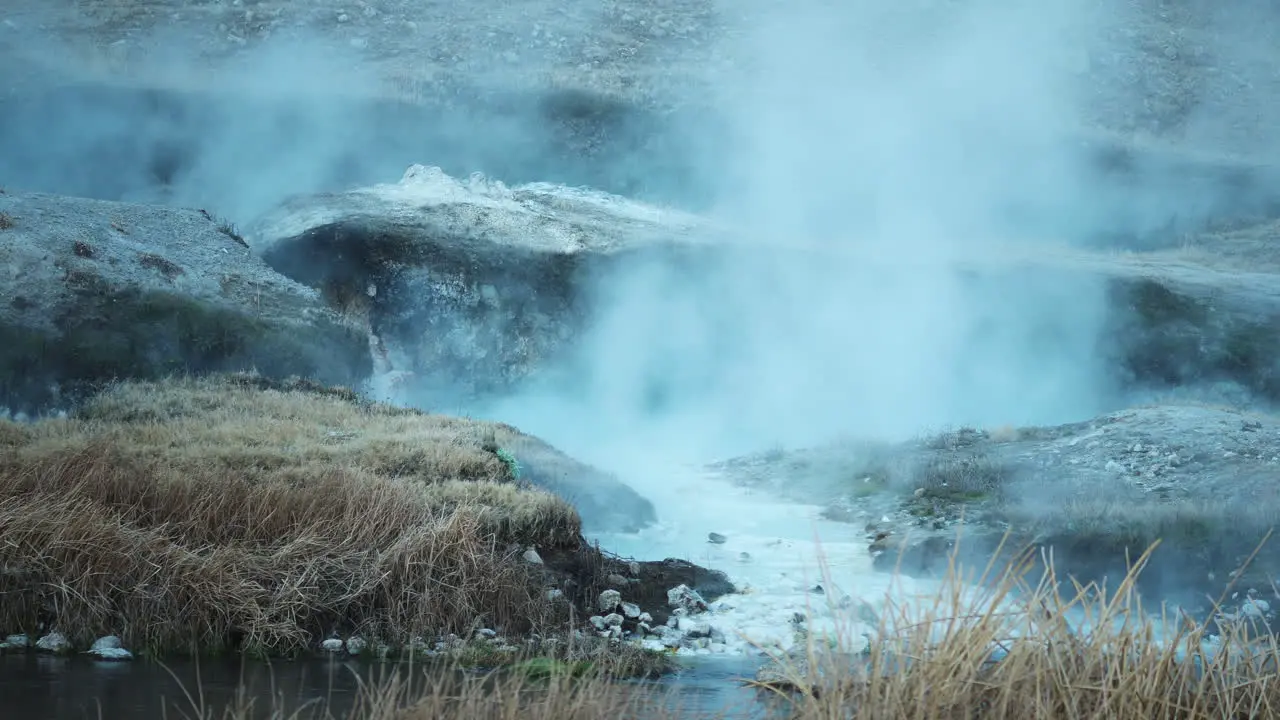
[[1199, 479], [470, 285], [95, 291]]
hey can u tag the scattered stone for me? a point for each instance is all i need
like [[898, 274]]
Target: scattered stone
[[356, 645], [716, 538], [109, 648], [598, 622], [616, 579], [609, 601], [634, 568], [54, 642], [532, 557], [554, 594], [332, 645], [631, 610], [613, 620], [19, 641], [486, 633]]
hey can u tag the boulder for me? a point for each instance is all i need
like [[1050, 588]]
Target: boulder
[[94, 291], [470, 286]]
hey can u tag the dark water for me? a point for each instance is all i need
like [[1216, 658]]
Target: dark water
[[40, 687]]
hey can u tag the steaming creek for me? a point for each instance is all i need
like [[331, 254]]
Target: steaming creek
[[775, 552], [783, 567], [789, 549]]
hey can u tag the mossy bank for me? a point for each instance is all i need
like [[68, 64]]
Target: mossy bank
[[239, 514]]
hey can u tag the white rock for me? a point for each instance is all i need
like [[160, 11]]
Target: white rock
[[54, 642], [332, 645], [645, 617], [19, 640], [356, 645], [686, 598], [1255, 608], [554, 594], [532, 557], [609, 600], [597, 622], [613, 620], [653, 645], [109, 648], [486, 633], [631, 610]]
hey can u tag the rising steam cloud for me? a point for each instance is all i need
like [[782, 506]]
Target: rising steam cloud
[[907, 147], [901, 150]]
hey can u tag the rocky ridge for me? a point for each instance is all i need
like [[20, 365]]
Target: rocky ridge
[[94, 291], [1197, 478]]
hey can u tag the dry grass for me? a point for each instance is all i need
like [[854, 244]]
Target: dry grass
[[1026, 651], [218, 513], [1017, 651]]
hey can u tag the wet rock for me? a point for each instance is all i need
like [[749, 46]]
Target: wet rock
[[582, 575], [685, 598], [1255, 608], [54, 642], [109, 648], [332, 645], [356, 645], [164, 289], [17, 641]]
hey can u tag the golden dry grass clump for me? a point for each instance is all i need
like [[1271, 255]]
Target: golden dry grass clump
[[201, 514], [1020, 651]]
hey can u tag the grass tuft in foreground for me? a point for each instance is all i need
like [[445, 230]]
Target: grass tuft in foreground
[[232, 513], [1023, 651]]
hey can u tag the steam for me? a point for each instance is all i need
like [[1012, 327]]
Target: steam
[[888, 150], [880, 163]]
